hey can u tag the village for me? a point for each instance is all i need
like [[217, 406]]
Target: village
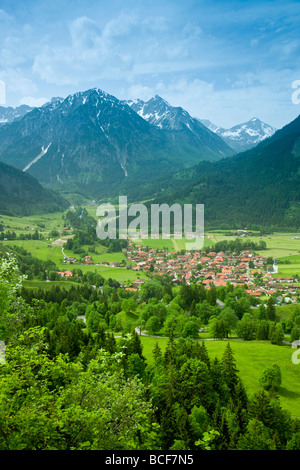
[[212, 268], [202, 267]]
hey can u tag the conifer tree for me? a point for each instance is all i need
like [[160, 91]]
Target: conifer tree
[[229, 368], [201, 353], [156, 351]]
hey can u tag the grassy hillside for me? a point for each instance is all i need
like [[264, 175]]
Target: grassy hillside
[[252, 358], [259, 187], [21, 194]]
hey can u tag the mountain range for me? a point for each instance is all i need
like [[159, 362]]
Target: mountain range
[[239, 138], [9, 114], [259, 187], [242, 136], [91, 142], [21, 194], [93, 145]]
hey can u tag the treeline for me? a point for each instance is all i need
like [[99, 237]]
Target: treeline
[[35, 268], [69, 384], [84, 229], [11, 235], [29, 265], [236, 246]]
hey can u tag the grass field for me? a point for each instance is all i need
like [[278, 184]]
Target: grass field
[[44, 223], [252, 357], [284, 247], [281, 245], [40, 249], [170, 244], [48, 285]]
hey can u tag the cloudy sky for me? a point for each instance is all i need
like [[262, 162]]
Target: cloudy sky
[[226, 61]]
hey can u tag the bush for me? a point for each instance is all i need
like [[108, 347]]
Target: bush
[[271, 377]]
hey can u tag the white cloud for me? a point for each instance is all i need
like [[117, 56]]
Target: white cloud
[[139, 91], [126, 46], [16, 82], [33, 102], [264, 95], [5, 17]]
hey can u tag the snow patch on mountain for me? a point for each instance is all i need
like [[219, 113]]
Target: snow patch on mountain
[[36, 159], [242, 136]]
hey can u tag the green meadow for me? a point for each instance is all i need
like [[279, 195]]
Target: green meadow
[[285, 247], [252, 357], [41, 250], [66, 284], [282, 245], [44, 223]]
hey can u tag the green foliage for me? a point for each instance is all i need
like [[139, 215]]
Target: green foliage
[[70, 384], [21, 194], [62, 406], [271, 377], [246, 327], [258, 187]]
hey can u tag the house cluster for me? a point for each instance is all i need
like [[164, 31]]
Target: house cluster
[[65, 274], [212, 268]]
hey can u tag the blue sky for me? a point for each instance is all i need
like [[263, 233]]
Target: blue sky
[[226, 61]]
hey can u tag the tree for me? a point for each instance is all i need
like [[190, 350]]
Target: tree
[[190, 329], [12, 309], [217, 328], [151, 289], [276, 334], [129, 305], [157, 352], [271, 377], [196, 384], [170, 325], [262, 313], [229, 368], [153, 325], [199, 421], [262, 332], [271, 313], [229, 320], [257, 437], [295, 333], [246, 327], [200, 351], [135, 366], [63, 405], [204, 310], [211, 295]]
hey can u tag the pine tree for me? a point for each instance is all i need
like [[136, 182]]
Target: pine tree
[[271, 313], [262, 313], [135, 345], [156, 351], [170, 351], [200, 351], [218, 379], [240, 394], [229, 368]]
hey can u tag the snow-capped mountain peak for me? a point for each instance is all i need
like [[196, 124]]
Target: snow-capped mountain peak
[[243, 136], [160, 113], [9, 114]]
